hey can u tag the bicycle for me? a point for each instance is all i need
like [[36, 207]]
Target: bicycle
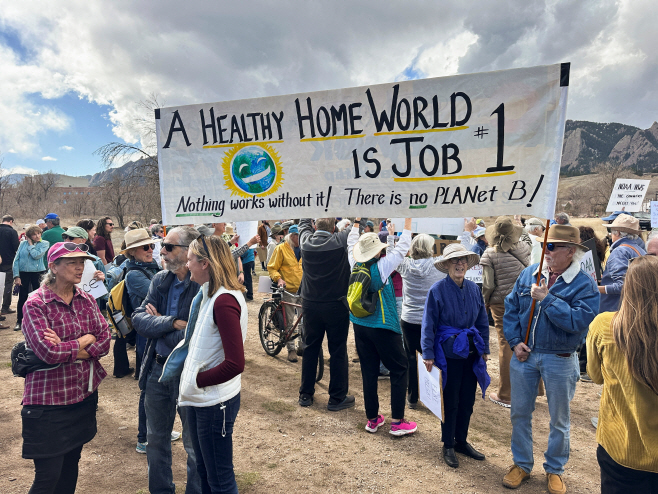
[[272, 324]]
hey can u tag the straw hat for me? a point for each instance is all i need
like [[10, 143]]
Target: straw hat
[[503, 233], [625, 223], [367, 247], [454, 251], [563, 234], [229, 230], [137, 238]]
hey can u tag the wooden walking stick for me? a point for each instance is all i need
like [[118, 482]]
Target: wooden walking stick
[[541, 265]]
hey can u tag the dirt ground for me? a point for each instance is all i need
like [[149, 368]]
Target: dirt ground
[[281, 447]]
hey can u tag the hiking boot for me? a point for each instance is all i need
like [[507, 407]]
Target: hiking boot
[[514, 477], [555, 484], [292, 356], [494, 397], [305, 400], [403, 428], [141, 448], [373, 425], [175, 436], [347, 402]]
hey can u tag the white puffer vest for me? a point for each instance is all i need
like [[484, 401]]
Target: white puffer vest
[[205, 352]]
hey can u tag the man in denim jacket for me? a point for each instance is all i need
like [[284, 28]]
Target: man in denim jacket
[[567, 300]]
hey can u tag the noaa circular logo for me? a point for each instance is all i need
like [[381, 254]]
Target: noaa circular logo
[[253, 170]]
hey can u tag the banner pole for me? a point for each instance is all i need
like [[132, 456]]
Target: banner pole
[[541, 265]]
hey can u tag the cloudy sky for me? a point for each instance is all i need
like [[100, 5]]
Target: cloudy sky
[[74, 72]]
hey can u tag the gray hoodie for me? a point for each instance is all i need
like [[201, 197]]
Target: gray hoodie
[[418, 276]]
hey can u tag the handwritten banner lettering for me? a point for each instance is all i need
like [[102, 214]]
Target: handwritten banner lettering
[[446, 147]]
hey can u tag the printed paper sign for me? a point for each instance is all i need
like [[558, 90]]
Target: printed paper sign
[[591, 245], [441, 244], [430, 392], [90, 285], [448, 147], [436, 226], [474, 274], [654, 214], [628, 195], [246, 230], [264, 284]]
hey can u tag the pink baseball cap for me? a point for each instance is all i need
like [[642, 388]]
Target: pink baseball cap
[[68, 249]]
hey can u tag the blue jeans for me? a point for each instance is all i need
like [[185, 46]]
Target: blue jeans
[[211, 431], [160, 405], [560, 375]]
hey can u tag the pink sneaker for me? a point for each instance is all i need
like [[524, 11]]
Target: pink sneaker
[[403, 427], [373, 425]]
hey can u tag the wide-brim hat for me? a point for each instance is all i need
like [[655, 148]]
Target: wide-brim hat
[[625, 223], [275, 230], [563, 234], [454, 251], [137, 238], [229, 229], [503, 233], [367, 247]]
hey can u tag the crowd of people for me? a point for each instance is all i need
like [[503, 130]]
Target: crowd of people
[[187, 299]]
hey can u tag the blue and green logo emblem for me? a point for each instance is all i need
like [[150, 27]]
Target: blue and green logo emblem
[[252, 169]]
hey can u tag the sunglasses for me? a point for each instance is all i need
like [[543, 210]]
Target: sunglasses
[[551, 247], [71, 247], [148, 247], [170, 247], [459, 260], [109, 224]]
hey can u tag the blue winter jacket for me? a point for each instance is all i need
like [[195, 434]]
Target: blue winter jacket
[[30, 258], [154, 327], [615, 271], [561, 320]]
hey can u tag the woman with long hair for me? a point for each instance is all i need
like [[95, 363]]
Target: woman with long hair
[[210, 382], [62, 325], [90, 227], [103, 239], [418, 275], [622, 354]]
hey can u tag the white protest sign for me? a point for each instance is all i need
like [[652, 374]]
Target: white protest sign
[[627, 195], [88, 284], [264, 284], [437, 226], [246, 230], [430, 390], [587, 264], [448, 147], [654, 214], [474, 274]]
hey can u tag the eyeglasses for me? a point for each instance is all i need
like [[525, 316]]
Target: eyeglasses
[[170, 247], [205, 247], [148, 247], [459, 260], [71, 247]]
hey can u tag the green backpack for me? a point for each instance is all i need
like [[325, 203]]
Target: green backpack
[[361, 300]]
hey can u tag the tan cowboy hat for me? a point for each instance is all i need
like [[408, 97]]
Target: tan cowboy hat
[[137, 238], [503, 233], [625, 223], [453, 251], [563, 234], [229, 229], [367, 247]]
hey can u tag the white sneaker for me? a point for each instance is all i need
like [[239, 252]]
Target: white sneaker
[[175, 436]]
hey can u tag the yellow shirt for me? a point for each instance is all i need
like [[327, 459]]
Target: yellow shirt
[[628, 418], [284, 264]]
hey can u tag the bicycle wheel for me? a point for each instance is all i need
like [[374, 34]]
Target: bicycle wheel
[[271, 335], [320, 372]]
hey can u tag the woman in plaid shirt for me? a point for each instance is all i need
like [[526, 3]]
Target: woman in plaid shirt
[[62, 325]]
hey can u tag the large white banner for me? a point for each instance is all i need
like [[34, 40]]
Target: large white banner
[[450, 147]]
